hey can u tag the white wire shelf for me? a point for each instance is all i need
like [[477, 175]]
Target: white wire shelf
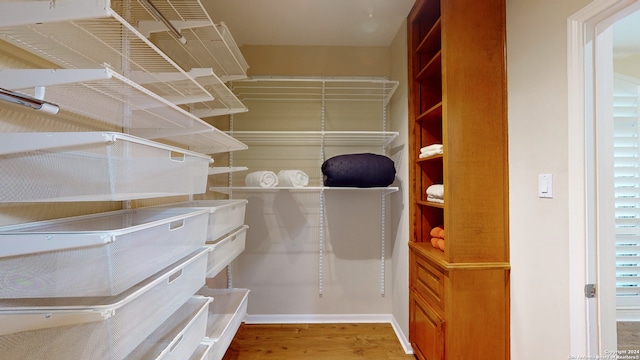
[[226, 190], [315, 89], [224, 102], [95, 34], [315, 138], [107, 96], [217, 170], [207, 45], [235, 52], [212, 141]]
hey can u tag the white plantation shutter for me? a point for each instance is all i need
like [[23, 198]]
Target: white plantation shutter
[[627, 192]]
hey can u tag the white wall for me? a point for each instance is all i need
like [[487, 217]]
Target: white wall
[[399, 209], [538, 120], [280, 263]]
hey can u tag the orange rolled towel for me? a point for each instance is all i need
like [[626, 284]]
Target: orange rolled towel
[[441, 244], [434, 242], [436, 231]]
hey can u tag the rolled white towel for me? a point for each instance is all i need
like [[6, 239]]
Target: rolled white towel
[[436, 191], [293, 178], [431, 150], [432, 147], [261, 179]]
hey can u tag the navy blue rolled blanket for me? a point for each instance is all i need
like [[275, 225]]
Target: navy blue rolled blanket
[[359, 170]]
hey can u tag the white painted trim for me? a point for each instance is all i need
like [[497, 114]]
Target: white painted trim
[[577, 190], [404, 341], [333, 319], [581, 27]]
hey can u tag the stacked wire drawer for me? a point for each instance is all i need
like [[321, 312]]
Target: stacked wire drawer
[[97, 286], [204, 351], [226, 314], [96, 166], [226, 235], [97, 328], [177, 337], [95, 255]]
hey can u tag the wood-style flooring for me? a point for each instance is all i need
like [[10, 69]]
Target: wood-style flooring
[[316, 341], [345, 341], [628, 335]]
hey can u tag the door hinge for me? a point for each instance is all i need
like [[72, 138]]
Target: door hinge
[[590, 291]]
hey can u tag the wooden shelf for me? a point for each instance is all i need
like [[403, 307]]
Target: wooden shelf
[[463, 122], [433, 114], [430, 203], [431, 42], [437, 256], [431, 158], [432, 68]]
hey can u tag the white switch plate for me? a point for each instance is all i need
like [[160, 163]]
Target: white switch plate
[[545, 186]]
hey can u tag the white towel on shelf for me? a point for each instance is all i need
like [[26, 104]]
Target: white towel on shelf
[[261, 179], [431, 150], [435, 199], [431, 147], [293, 178], [436, 191]]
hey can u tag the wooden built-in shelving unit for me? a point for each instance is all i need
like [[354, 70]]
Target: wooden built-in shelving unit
[[459, 296]]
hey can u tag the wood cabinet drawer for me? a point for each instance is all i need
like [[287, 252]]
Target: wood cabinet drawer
[[428, 281], [427, 334]]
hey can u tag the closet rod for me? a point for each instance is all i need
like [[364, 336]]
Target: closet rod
[[28, 101], [158, 16]]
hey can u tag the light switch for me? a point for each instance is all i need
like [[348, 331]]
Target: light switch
[[545, 185]]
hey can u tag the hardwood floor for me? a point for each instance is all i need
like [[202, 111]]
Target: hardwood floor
[[316, 341], [628, 335], [345, 341]]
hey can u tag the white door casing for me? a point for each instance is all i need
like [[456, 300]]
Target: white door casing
[[592, 250]]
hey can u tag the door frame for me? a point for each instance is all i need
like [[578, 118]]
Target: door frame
[[590, 319]]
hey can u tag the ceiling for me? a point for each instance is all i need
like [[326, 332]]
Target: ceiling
[[343, 22], [311, 22]]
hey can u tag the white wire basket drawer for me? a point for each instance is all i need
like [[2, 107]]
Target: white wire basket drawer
[[234, 70], [97, 328], [226, 314], [224, 215], [203, 352], [225, 250], [179, 336], [95, 255], [95, 166]]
